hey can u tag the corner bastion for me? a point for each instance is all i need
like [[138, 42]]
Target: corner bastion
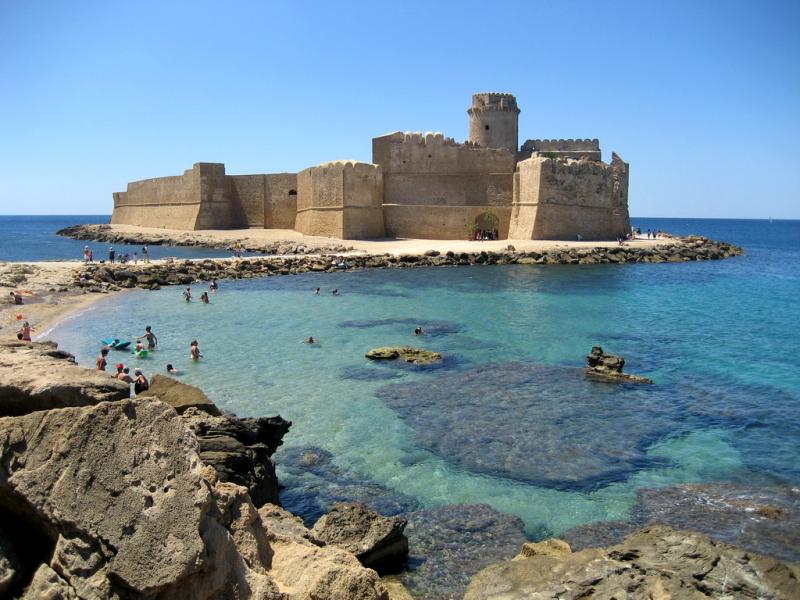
[[417, 186]]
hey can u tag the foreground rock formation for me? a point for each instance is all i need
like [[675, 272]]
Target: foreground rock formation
[[113, 500], [417, 356], [39, 376], [377, 541], [609, 366], [657, 562]]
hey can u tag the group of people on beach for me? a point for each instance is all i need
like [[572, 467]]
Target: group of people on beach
[[113, 257], [486, 234]]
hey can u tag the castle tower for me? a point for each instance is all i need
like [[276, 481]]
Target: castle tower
[[494, 121]]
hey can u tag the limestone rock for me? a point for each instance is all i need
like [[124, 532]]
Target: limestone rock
[[179, 395], [416, 356], [657, 562], [602, 364], [47, 584], [377, 541], [550, 547], [9, 565], [240, 449], [304, 570], [38, 376]]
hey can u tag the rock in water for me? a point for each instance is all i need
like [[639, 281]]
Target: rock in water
[[657, 562], [240, 450], [377, 541], [38, 376], [602, 364], [416, 356], [179, 395]]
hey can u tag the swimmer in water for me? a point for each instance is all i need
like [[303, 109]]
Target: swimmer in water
[[172, 370], [311, 340], [335, 292], [204, 298], [316, 292], [419, 331], [194, 351]]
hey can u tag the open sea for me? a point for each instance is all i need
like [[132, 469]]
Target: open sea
[[508, 419]]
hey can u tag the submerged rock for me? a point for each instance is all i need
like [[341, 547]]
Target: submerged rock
[[416, 356], [377, 541], [240, 449], [657, 562], [38, 376], [602, 364], [544, 425], [449, 544]]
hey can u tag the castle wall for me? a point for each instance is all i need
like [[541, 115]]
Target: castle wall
[[340, 199], [563, 198], [164, 202], [268, 201], [440, 222], [494, 121], [424, 174], [562, 148]]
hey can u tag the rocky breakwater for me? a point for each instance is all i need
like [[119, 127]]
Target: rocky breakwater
[[656, 562], [106, 233], [113, 499], [102, 277]]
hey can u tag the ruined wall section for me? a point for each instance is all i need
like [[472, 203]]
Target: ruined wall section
[[268, 200], [588, 148], [434, 187], [340, 199], [561, 199]]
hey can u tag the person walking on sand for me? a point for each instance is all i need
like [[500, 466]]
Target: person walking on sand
[[140, 384], [187, 295], [145, 254], [86, 254], [194, 351], [100, 363], [152, 340], [111, 255]]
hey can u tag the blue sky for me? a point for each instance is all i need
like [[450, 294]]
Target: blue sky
[[702, 98]]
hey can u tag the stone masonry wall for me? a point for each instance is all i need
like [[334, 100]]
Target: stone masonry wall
[[564, 198], [340, 199], [427, 175], [562, 148], [268, 201], [165, 202]]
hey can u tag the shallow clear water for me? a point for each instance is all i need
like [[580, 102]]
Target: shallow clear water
[[33, 238], [507, 419]]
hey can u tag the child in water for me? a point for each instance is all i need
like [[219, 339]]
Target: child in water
[[172, 370], [187, 294]]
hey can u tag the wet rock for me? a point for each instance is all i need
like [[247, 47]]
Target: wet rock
[[179, 395], [657, 562], [37, 376], [451, 543], [415, 356], [240, 450], [377, 541], [609, 366]]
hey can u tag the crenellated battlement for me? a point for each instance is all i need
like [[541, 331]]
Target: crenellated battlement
[[496, 101], [562, 145]]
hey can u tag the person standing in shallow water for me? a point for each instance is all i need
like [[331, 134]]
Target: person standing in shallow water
[[187, 295], [152, 340], [100, 363], [194, 351]]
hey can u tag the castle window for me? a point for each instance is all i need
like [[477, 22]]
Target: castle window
[[293, 192], [486, 127]]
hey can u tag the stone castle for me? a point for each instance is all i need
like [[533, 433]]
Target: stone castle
[[417, 186]]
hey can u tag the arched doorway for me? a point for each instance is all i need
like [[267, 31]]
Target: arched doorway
[[485, 226]]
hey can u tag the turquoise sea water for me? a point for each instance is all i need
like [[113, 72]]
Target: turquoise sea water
[[508, 419]]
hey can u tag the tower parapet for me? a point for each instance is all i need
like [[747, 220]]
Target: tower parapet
[[494, 121]]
